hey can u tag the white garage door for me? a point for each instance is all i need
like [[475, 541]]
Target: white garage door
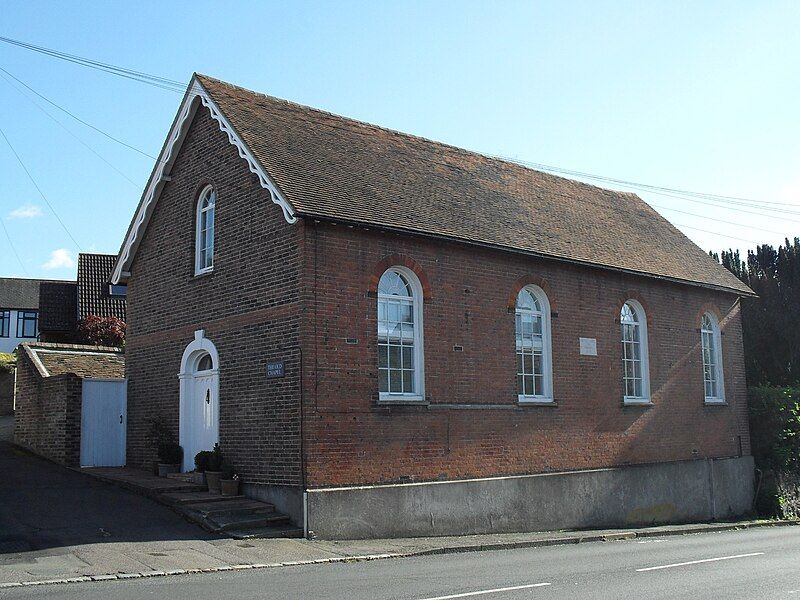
[[104, 418]]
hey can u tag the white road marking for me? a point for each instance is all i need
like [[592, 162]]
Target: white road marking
[[494, 591], [697, 562]]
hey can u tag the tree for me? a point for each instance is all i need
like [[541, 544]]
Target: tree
[[102, 331]]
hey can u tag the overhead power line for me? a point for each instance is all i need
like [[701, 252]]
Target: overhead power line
[[38, 189], [60, 124], [146, 78], [61, 108], [13, 249]]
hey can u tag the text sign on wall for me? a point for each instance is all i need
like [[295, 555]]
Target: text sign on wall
[[588, 346], [275, 369]]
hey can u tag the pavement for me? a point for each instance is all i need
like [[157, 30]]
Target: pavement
[[58, 525], [751, 563]]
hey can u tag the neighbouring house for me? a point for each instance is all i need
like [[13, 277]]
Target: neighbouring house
[[71, 403], [19, 311], [64, 304], [392, 336]]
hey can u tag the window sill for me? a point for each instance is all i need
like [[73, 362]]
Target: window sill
[[714, 402], [637, 402], [535, 401], [401, 399], [201, 274]]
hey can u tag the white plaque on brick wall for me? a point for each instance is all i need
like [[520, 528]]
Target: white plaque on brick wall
[[588, 346]]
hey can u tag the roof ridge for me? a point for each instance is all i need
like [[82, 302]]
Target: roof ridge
[[412, 136]]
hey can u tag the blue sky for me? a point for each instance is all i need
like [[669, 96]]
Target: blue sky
[[694, 96]]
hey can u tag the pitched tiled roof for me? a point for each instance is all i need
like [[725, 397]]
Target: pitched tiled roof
[[331, 167], [58, 306], [20, 293], [94, 275], [84, 361]]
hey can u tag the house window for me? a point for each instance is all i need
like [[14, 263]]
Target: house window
[[5, 322], [635, 371], [712, 359], [27, 324], [204, 251], [534, 353], [400, 365]]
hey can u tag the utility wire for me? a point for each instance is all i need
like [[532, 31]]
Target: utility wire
[[732, 237], [60, 124], [38, 189], [153, 80], [691, 214], [61, 108], [13, 249]]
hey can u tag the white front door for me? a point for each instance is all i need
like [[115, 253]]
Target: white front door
[[201, 430]]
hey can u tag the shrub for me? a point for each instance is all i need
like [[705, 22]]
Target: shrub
[[170, 453], [227, 471], [8, 362], [201, 460], [215, 461], [158, 431], [102, 331]]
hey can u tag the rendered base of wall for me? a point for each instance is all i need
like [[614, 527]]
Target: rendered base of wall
[[285, 498], [676, 492]]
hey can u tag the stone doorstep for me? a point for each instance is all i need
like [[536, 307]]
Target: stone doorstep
[[196, 497], [236, 521], [240, 505]]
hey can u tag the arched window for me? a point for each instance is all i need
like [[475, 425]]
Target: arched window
[[635, 368], [534, 353], [400, 366], [712, 359], [204, 249]]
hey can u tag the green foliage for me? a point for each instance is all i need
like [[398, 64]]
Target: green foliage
[[775, 443], [216, 460], [771, 322], [201, 460], [8, 362], [170, 453]]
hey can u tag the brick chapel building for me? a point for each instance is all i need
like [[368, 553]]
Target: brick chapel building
[[392, 336]]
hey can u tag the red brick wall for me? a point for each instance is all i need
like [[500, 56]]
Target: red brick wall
[[48, 415], [249, 308], [349, 438], [6, 393]]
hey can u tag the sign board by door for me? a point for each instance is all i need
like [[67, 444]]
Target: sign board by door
[[104, 421], [276, 369]]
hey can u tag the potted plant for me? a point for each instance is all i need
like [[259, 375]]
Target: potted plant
[[158, 433], [201, 466], [214, 470], [229, 481], [170, 457]]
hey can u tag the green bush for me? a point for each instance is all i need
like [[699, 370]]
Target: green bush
[[775, 443], [8, 362]]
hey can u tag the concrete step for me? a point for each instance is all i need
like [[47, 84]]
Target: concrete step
[[277, 531], [241, 506], [185, 477], [239, 521], [192, 497]]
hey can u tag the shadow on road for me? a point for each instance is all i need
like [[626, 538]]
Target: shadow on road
[[43, 505]]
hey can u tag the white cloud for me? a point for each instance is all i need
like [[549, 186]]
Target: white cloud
[[60, 259], [28, 211]]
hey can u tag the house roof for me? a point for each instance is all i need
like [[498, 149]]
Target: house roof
[[20, 293], [94, 275], [85, 361], [323, 166], [58, 305]]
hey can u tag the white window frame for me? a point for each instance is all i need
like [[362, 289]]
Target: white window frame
[[716, 337], [419, 353], [644, 350], [547, 348], [199, 267]]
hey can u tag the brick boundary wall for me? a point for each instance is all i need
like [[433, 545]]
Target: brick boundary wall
[[48, 416]]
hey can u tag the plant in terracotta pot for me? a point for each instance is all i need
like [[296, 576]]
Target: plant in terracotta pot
[[214, 469], [170, 457], [201, 466], [229, 482]]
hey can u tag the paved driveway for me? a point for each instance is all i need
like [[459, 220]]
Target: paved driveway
[[43, 505]]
